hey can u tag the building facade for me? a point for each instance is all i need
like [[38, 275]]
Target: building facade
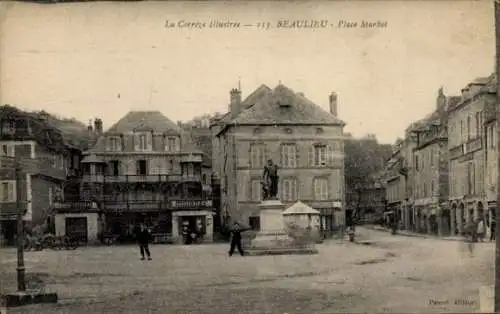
[[395, 183], [48, 162], [430, 157], [142, 169], [305, 141], [472, 185]]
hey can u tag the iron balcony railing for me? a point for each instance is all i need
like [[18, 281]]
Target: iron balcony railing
[[153, 178], [136, 205]]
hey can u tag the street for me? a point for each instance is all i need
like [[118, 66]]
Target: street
[[386, 274]]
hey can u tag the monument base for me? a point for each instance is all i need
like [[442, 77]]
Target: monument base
[[272, 239]]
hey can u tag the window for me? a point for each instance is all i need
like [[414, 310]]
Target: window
[[143, 143], [433, 186], [256, 190], [114, 167], [478, 124], [115, 144], [257, 155], [321, 189], [51, 197], [431, 152], [8, 150], [470, 178], [254, 222], [468, 128], [170, 145], [289, 190], [417, 166], [461, 131], [141, 167], [53, 161], [288, 156], [8, 127], [320, 156], [61, 161], [7, 191]]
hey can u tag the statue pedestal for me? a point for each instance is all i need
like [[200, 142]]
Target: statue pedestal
[[272, 238]]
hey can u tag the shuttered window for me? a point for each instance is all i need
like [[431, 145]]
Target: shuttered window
[[289, 156], [320, 189], [258, 155], [289, 190], [7, 191]]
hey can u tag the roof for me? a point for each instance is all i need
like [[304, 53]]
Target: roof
[[153, 120], [266, 109], [300, 208], [92, 159]]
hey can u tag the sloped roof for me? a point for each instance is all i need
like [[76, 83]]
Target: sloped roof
[[249, 101], [92, 159], [300, 208], [153, 120], [300, 110]]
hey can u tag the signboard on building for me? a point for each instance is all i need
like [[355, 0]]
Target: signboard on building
[[184, 204]]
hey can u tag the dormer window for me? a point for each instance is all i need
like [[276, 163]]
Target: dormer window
[[143, 142], [319, 131], [8, 127], [288, 131], [114, 144], [257, 131], [171, 144]]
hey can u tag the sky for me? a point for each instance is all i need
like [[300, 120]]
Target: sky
[[88, 60]]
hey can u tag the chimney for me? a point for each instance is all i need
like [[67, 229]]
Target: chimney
[[235, 104], [441, 101], [98, 126], [333, 104]]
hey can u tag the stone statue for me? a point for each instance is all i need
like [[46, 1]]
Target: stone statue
[[270, 181]]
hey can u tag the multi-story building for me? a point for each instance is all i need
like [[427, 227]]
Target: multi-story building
[[430, 170], [305, 141], [142, 169], [490, 147], [47, 164], [395, 182], [469, 152], [372, 201]]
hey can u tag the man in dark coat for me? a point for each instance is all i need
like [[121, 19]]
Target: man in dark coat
[[493, 229], [236, 239], [143, 237]]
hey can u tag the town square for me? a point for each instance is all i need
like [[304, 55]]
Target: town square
[[265, 161]]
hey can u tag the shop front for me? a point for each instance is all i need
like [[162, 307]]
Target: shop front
[[192, 221]]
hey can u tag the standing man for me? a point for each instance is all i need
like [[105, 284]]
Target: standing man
[[236, 240], [143, 237]]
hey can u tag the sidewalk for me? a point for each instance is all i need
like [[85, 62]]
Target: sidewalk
[[414, 234]]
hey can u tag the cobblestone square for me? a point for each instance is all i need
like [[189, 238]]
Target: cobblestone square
[[385, 274]]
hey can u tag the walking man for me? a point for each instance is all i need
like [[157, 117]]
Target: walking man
[[236, 239], [143, 237]]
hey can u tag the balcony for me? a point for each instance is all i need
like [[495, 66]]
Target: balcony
[[135, 205], [100, 178]]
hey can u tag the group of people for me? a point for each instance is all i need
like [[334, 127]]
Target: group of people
[[144, 237], [476, 230]]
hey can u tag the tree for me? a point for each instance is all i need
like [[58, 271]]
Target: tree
[[364, 158]]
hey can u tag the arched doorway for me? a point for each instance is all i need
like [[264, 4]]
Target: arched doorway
[[445, 224]]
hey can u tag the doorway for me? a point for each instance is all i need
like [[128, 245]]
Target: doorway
[[77, 227]]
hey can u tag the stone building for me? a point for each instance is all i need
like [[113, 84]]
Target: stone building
[[142, 169], [395, 182], [49, 162], [468, 155], [430, 170], [305, 141], [490, 146]]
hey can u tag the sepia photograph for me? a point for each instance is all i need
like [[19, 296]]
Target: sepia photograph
[[278, 157]]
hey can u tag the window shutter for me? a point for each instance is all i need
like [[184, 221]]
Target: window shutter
[[250, 156], [311, 156], [151, 142], [297, 156], [11, 150], [282, 156], [12, 191], [316, 187], [267, 155], [177, 144], [329, 155], [136, 142]]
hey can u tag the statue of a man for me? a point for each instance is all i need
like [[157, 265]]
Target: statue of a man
[[270, 180]]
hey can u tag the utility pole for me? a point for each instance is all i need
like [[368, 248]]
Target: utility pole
[[21, 283]]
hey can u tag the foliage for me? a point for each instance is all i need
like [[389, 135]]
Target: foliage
[[301, 236], [365, 157]]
